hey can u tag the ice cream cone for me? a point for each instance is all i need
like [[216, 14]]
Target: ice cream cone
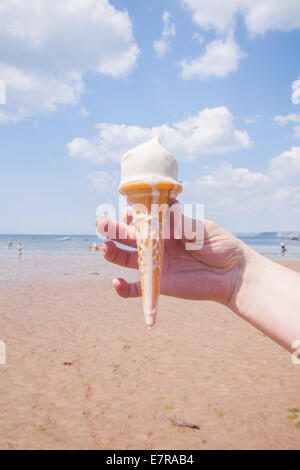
[[150, 206], [149, 179]]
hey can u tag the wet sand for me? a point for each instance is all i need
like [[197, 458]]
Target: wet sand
[[83, 372]]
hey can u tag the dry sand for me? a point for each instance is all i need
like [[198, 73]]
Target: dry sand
[[83, 372]]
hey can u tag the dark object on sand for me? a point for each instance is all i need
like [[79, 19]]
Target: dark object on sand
[[296, 238], [184, 424]]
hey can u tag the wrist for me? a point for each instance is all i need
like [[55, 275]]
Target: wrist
[[267, 295], [247, 279]]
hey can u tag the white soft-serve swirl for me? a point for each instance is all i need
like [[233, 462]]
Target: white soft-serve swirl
[[149, 163]]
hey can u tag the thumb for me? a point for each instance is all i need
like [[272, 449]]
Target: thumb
[[127, 289]]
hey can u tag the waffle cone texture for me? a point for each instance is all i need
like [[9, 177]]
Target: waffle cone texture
[[150, 206]]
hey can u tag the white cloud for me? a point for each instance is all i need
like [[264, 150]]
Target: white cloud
[[163, 45], [283, 120], [215, 14], [29, 94], [104, 181], [238, 190], [289, 195], [84, 112], [293, 117], [82, 148], [224, 176], [296, 92], [281, 15], [259, 16], [252, 120], [220, 58], [228, 189], [286, 166], [198, 37], [211, 131], [297, 132], [46, 48]]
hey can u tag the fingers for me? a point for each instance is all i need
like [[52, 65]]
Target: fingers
[[126, 289], [180, 228], [116, 255], [128, 259], [113, 230], [190, 231]]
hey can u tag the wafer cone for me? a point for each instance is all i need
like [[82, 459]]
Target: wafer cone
[[150, 206]]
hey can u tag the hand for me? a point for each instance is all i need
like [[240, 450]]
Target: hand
[[225, 270], [211, 273]]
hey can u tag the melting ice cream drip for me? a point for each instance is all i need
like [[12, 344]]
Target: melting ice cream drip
[[150, 248]]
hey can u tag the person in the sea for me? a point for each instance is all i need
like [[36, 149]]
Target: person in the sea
[[95, 247], [283, 248], [20, 248], [224, 270]]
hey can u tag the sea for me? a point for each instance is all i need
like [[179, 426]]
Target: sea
[[266, 243]]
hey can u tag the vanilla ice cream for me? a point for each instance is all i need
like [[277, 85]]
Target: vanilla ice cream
[[149, 163]]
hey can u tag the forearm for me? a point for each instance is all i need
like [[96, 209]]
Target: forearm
[[267, 295]]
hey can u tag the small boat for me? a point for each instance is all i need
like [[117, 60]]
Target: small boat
[[63, 239]]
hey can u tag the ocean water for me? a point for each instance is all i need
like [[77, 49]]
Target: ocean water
[[47, 259], [267, 244], [48, 244]]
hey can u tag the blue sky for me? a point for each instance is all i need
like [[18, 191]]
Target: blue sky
[[86, 81]]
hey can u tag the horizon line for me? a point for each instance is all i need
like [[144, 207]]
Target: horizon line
[[9, 234]]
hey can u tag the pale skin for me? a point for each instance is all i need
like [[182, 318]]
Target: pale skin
[[224, 270]]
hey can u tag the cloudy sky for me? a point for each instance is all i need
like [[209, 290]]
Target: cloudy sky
[[86, 80]]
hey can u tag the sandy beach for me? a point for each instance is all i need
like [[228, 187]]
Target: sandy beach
[[83, 372], [173, 129]]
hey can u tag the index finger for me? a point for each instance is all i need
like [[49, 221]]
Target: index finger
[[116, 231]]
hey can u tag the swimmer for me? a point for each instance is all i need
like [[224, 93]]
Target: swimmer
[[95, 247], [20, 248], [283, 248]]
